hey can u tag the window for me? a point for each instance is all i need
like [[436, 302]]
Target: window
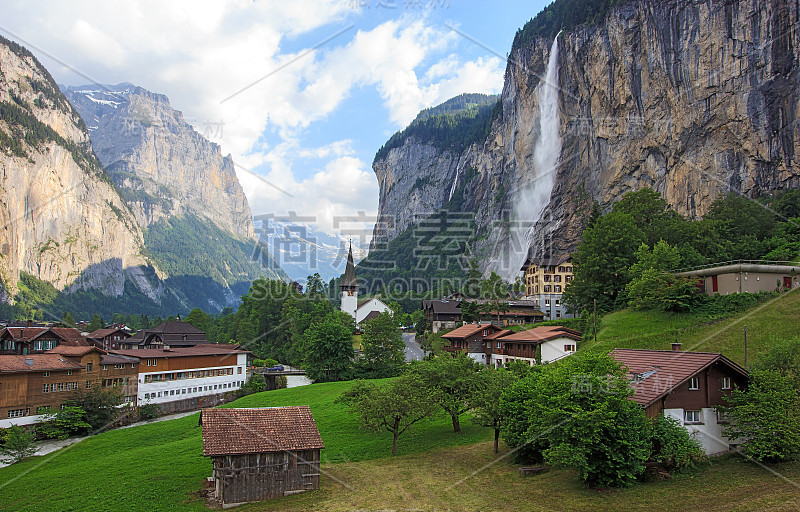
[[105, 367], [172, 392], [694, 383], [151, 362], [556, 279], [547, 278], [239, 370], [42, 409], [557, 288], [46, 388], [485, 332], [691, 417], [569, 269], [88, 384], [561, 269], [46, 374], [569, 348], [499, 344], [69, 372], [726, 383], [16, 413], [133, 365], [547, 302], [567, 279], [88, 367], [722, 417], [119, 366], [159, 394], [547, 288]]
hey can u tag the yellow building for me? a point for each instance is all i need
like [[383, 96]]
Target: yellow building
[[545, 281]]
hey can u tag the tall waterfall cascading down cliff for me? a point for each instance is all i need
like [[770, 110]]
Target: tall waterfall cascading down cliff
[[535, 185]]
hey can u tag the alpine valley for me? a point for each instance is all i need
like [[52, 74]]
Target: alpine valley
[[112, 202]]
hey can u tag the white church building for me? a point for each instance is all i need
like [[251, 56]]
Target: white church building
[[364, 310]]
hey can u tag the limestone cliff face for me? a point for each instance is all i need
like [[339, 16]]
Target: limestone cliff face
[[693, 99], [162, 166], [62, 219]]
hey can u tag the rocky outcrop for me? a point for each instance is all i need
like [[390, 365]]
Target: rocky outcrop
[[163, 167], [62, 219], [693, 99]]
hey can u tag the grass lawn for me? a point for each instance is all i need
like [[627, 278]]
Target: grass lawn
[[356, 342], [775, 319], [159, 466]]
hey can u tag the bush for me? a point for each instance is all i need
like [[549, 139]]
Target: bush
[[19, 444], [62, 423], [256, 384], [149, 411], [766, 416], [673, 446]]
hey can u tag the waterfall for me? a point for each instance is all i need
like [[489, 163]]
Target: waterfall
[[535, 185], [455, 182]]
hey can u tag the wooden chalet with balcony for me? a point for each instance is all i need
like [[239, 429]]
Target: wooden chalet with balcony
[[108, 339], [688, 386], [169, 334]]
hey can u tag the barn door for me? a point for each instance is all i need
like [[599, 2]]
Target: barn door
[[787, 282]]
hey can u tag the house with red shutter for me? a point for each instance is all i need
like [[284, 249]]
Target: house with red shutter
[[687, 386], [495, 346]]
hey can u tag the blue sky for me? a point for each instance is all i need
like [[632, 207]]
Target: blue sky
[[312, 108]]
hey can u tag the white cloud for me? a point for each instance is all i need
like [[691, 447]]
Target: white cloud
[[199, 53]]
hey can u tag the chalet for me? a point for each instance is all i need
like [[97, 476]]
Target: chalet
[[554, 341], [687, 386], [469, 339], [442, 314], [31, 383], [37, 340], [170, 374], [261, 453], [169, 334], [519, 312], [744, 277], [108, 339], [121, 372]]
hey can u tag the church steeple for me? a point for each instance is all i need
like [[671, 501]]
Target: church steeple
[[349, 278], [349, 286]]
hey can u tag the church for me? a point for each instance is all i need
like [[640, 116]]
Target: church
[[366, 309]]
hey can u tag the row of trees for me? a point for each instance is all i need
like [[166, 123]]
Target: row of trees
[[624, 256], [577, 413]]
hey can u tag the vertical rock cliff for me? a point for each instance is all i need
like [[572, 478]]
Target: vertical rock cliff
[[62, 219], [162, 166], [692, 99]]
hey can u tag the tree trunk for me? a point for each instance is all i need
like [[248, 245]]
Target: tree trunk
[[394, 443], [496, 439], [456, 423]]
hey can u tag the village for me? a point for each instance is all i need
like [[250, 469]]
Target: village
[[262, 453]]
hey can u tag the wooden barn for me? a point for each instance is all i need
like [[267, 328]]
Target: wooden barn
[[261, 453]]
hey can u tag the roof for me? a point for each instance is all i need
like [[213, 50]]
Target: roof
[[443, 307], [67, 334], [74, 351], [371, 316], [269, 429], [544, 333], [467, 330], [171, 333], [535, 312], [117, 359], [205, 349], [102, 333], [655, 373], [735, 268], [498, 334], [349, 277], [545, 261], [36, 362]]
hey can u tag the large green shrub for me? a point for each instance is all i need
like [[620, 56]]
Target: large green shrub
[[673, 446]]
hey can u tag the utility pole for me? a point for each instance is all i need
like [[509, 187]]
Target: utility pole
[[745, 347], [595, 321]]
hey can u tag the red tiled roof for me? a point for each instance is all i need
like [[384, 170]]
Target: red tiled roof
[[204, 349], [467, 330], [70, 350], [669, 370], [498, 334], [38, 362], [269, 429], [544, 333]]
